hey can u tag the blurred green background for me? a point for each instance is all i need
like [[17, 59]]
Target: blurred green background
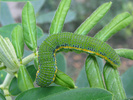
[[10, 12]]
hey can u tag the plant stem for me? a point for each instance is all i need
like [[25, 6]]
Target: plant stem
[[5, 86], [113, 82], [8, 97], [7, 81], [29, 58]]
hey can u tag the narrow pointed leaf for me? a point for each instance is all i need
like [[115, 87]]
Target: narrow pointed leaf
[[93, 73], [12, 52], [13, 88], [113, 82], [90, 22], [29, 26], [8, 55], [5, 59], [118, 23], [11, 49], [5, 48], [24, 80], [18, 41], [7, 33], [64, 80], [60, 15], [13, 59], [32, 71], [126, 53]]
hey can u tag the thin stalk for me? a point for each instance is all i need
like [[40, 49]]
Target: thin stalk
[[7, 81], [29, 58]]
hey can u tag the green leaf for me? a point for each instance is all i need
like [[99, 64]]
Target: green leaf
[[29, 26], [2, 76], [37, 93], [13, 88], [113, 82], [5, 15], [32, 71], [2, 97], [118, 23], [18, 41], [37, 4], [8, 55], [82, 79], [7, 33], [39, 32], [24, 80], [81, 94], [126, 53], [64, 80], [1, 91], [93, 73], [61, 62], [9, 47], [36, 63], [46, 18], [90, 22], [59, 18], [127, 81]]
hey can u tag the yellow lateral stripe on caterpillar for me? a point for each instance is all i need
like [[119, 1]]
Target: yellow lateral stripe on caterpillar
[[85, 50], [69, 42]]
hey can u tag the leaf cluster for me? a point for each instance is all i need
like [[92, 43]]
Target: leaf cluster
[[18, 72]]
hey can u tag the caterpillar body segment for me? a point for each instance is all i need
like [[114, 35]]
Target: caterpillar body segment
[[69, 42]]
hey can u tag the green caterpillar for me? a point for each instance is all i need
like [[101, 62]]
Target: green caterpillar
[[69, 42]]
